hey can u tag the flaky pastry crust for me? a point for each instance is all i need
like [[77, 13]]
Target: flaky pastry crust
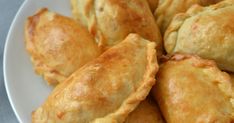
[[105, 90], [110, 21], [167, 9], [58, 45], [193, 90], [204, 31]]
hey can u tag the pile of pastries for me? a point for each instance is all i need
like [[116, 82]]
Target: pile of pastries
[[135, 61]]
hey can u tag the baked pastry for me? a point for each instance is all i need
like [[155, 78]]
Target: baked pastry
[[110, 21], [167, 9], [105, 90], [193, 90], [146, 112], [205, 31], [58, 45]]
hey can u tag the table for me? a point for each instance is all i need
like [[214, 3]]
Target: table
[[8, 9]]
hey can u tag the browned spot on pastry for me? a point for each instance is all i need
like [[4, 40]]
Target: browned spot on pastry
[[60, 115]]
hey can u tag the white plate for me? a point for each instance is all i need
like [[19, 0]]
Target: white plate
[[26, 90]]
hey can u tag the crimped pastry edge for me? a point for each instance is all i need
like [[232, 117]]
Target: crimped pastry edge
[[30, 24], [141, 93], [226, 88], [172, 32]]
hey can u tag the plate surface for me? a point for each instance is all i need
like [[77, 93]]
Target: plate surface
[[26, 90]]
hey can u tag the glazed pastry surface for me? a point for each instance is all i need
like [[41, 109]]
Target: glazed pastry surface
[[110, 21], [105, 90], [204, 31], [193, 90], [58, 45]]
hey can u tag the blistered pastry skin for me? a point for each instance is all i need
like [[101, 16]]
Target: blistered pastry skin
[[58, 45], [105, 90], [167, 9], [204, 31], [146, 112], [193, 90], [110, 21]]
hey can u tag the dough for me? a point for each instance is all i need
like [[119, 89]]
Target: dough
[[58, 45], [204, 31], [110, 21], [167, 9], [105, 90], [193, 90]]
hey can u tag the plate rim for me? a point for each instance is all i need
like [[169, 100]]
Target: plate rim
[[7, 40]]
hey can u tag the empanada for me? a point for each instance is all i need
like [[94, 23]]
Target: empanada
[[167, 9], [58, 45], [105, 90], [205, 31], [193, 90], [110, 21], [146, 112]]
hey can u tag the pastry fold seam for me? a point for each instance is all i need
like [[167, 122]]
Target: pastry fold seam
[[141, 93]]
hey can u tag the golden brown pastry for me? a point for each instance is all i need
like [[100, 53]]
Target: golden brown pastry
[[167, 9], [58, 45], [105, 90], [146, 112], [110, 21], [193, 90], [205, 31]]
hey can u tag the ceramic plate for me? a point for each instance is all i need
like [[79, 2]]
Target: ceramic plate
[[25, 89]]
